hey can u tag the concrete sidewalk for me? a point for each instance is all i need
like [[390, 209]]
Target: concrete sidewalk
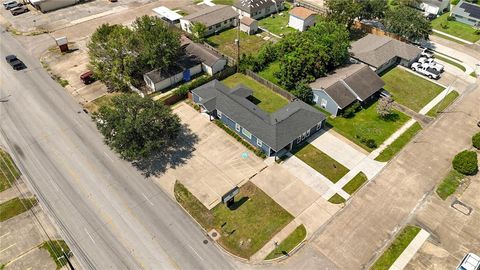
[[452, 37], [410, 251]]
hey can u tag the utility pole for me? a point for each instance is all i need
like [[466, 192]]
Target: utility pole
[[237, 42]]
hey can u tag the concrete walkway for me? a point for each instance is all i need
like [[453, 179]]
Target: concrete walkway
[[421, 118], [374, 154], [410, 251], [435, 101], [452, 37]]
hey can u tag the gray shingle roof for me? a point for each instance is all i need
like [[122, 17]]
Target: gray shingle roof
[[436, 3], [208, 57], [183, 63], [467, 10], [251, 6], [277, 129], [340, 94], [377, 50], [212, 15], [365, 82]]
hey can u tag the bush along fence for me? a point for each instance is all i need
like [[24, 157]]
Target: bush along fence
[[250, 147], [275, 88]]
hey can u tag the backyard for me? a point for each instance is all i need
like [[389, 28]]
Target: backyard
[[277, 23], [321, 162], [409, 89], [269, 72], [458, 29], [264, 98], [245, 228], [225, 42], [368, 125]]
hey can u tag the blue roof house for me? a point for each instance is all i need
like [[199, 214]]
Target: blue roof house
[[274, 133]]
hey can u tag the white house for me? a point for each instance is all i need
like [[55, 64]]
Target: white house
[[435, 7], [248, 25], [48, 5], [301, 18], [212, 62], [257, 8], [215, 19]]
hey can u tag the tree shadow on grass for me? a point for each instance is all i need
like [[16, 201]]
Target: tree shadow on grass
[[393, 117], [172, 156]]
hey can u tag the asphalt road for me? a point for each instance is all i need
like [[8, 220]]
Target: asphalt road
[[109, 214]]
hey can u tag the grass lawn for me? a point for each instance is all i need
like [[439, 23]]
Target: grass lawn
[[277, 24], [399, 143], [95, 105], [458, 29], [396, 248], [409, 89], [8, 171], [295, 238], [449, 184], [355, 183], [15, 207], [265, 98], [449, 99], [269, 72], [54, 248], [366, 124], [225, 42], [253, 221], [446, 60], [321, 162], [223, 2], [336, 199]]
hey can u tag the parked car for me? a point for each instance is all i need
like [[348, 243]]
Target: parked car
[[11, 5], [431, 17], [431, 63], [426, 70], [19, 10], [87, 77], [469, 262], [6, 3], [427, 53], [15, 62]]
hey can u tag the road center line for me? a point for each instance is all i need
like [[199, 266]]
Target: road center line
[[5, 234], [146, 198], [89, 235], [196, 252]]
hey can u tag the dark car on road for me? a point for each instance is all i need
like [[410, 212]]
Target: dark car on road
[[15, 62], [19, 10]]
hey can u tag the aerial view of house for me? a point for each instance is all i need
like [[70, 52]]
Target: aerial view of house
[[436, 7], [257, 9], [301, 18], [215, 19], [466, 12]]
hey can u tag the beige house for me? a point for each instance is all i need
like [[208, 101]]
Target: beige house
[[301, 18], [248, 25]]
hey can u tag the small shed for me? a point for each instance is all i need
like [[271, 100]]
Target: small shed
[[167, 15], [301, 18], [248, 25]]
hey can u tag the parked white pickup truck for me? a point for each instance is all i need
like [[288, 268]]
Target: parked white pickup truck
[[426, 70], [431, 63]]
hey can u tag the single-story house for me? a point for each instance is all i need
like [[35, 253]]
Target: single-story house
[[435, 7], [467, 13], [381, 52], [301, 18], [212, 62], [274, 133], [346, 85], [49, 5], [167, 14], [185, 67], [215, 18], [248, 25], [257, 9]]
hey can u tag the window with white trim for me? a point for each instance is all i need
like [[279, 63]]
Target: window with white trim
[[323, 104], [237, 127], [319, 125], [246, 133], [219, 114], [299, 139], [259, 142], [307, 133]]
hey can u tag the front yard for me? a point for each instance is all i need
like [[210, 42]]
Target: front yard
[[253, 220], [409, 89], [458, 29], [321, 162], [225, 42], [399, 143], [367, 125], [264, 98]]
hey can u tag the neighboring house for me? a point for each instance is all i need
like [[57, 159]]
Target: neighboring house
[[274, 133], [381, 52], [185, 67], [212, 62], [248, 25], [435, 7], [49, 5], [467, 13], [257, 9], [346, 85], [215, 19], [301, 18], [167, 15]]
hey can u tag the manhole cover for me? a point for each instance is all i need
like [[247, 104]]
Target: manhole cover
[[205, 241], [214, 234], [461, 207]]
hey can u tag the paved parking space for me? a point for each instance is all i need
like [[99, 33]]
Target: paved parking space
[[218, 162]]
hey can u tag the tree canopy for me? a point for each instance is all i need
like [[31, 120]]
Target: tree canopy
[[408, 23], [119, 55], [137, 127], [343, 11]]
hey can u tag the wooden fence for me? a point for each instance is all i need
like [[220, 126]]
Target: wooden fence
[[230, 60], [377, 31], [275, 88], [308, 5]]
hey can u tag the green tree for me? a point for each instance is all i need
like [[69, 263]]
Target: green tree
[[198, 30], [410, 3], [373, 9], [137, 127], [159, 45], [304, 92], [113, 56], [343, 11], [408, 23]]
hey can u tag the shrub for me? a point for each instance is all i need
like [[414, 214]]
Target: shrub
[[451, 18], [477, 32], [476, 140], [371, 143], [257, 151], [444, 25], [466, 162], [350, 111]]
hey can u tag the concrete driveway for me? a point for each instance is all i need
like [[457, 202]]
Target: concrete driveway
[[217, 164]]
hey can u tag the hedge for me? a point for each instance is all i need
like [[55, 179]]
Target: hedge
[[466, 162], [257, 151]]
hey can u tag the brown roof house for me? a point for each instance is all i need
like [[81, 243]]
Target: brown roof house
[[248, 25], [344, 86], [381, 52], [216, 19], [301, 18], [257, 8]]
